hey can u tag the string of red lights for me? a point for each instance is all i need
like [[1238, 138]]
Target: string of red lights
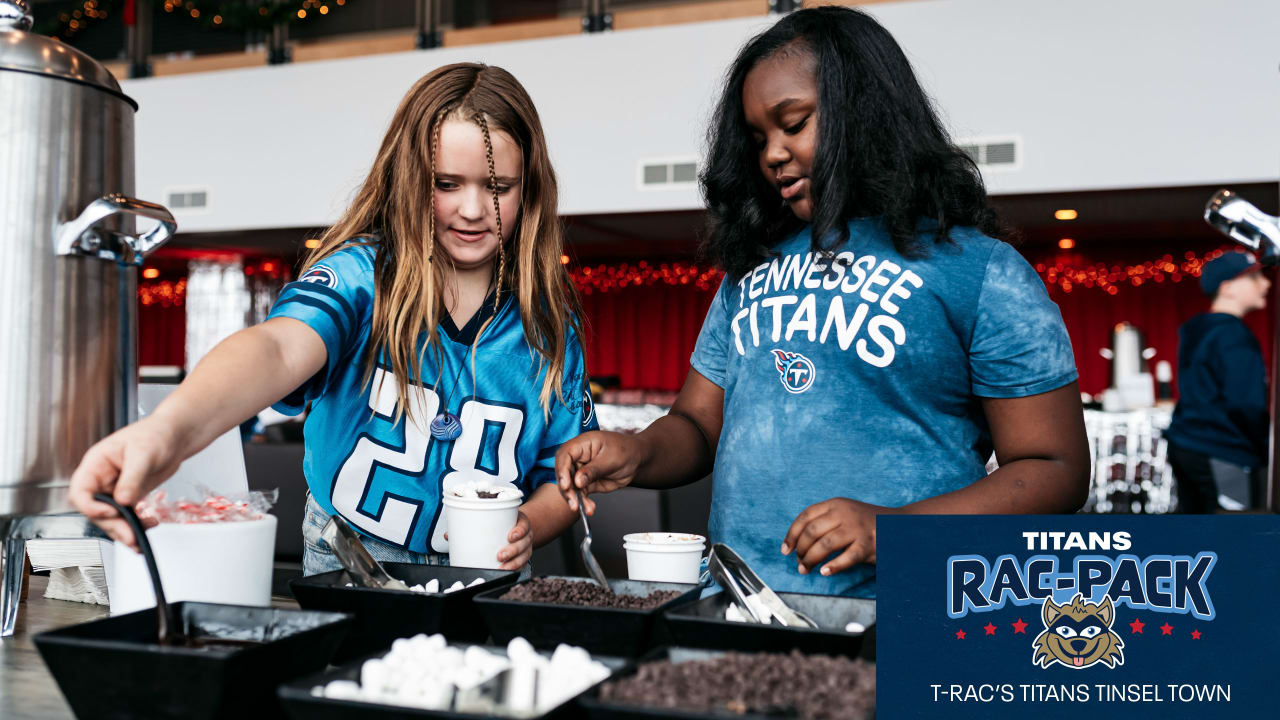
[[1109, 279], [602, 278]]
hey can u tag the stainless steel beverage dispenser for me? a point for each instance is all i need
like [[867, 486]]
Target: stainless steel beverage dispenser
[[68, 280]]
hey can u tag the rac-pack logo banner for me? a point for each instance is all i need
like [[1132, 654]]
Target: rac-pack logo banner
[[1083, 617]]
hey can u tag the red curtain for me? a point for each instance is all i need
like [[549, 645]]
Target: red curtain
[[643, 335], [1155, 308], [162, 334]]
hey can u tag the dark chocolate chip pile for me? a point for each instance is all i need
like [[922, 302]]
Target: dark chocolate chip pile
[[569, 592], [814, 687]]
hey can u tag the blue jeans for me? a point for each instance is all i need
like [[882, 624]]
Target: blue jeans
[[318, 558]]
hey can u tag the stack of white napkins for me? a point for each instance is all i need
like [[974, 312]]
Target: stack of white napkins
[[75, 568]]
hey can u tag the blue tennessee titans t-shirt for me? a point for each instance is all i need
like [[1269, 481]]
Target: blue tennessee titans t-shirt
[[863, 378], [386, 478]]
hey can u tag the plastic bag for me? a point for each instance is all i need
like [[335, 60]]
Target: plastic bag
[[158, 508]]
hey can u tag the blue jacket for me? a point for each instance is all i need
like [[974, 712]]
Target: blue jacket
[[1222, 388]]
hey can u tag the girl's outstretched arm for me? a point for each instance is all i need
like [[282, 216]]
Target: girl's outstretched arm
[[241, 375], [677, 449]]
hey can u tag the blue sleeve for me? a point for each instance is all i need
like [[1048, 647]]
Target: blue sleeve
[[710, 356], [1019, 345], [334, 298], [574, 416]]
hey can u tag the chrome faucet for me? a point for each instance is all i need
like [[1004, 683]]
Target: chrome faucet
[[1239, 220]]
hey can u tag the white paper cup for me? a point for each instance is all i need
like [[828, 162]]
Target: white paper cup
[[664, 556], [478, 529], [221, 562]]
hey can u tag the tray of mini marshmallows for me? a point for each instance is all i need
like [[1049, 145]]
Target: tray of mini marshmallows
[[439, 600], [425, 676]]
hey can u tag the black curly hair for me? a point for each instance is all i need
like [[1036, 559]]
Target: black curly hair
[[881, 150]]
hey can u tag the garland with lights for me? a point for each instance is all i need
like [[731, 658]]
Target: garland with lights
[[65, 25], [250, 14], [606, 278], [237, 15], [1109, 278], [602, 278], [164, 293]]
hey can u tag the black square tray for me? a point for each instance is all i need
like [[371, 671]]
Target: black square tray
[[702, 624], [381, 616], [113, 668], [302, 705], [596, 709], [606, 631]]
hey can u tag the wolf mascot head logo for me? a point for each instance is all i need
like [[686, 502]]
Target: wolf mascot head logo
[[1078, 635]]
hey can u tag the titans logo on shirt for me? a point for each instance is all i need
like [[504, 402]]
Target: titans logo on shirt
[[320, 275], [384, 473], [797, 371]]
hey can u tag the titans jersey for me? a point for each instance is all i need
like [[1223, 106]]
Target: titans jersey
[[386, 478]]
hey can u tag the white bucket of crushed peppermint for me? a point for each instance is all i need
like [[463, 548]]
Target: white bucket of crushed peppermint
[[479, 517], [664, 556]]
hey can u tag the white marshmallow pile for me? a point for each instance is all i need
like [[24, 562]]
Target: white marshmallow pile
[[434, 586], [423, 672], [471, 490], [737, 614]]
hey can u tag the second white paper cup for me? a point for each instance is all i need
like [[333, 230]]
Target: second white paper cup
[[664, 556]]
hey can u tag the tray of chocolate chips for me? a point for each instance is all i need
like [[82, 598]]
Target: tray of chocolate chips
[[717, 622], [439, 600], [624, 621], [688, 684]]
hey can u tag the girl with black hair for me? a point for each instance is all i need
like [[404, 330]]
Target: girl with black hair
[[873, 340]]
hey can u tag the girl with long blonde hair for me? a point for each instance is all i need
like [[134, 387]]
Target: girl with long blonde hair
[[432, 332]]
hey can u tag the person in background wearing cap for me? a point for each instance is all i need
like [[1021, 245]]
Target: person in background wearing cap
[[1218, 437]]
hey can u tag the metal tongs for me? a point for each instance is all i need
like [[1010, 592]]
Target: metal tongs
[[734, 575], [359, 564]]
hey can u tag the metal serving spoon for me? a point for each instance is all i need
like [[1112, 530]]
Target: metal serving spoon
[[593, 567]]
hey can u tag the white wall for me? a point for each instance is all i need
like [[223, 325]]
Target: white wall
[[1104, 93]]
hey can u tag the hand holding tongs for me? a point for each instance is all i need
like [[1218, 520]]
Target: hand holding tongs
[[739, 579], [357, 561]]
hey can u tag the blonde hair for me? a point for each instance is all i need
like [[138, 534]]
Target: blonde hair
[[390, 212]]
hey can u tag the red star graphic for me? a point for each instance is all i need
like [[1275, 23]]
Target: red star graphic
[[991, 629], [959, 634], [1166, 629], [1195, 634], [1019, 627], [1137, 626]]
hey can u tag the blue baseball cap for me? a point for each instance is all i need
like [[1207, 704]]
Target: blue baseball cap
[[1228, 266]]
